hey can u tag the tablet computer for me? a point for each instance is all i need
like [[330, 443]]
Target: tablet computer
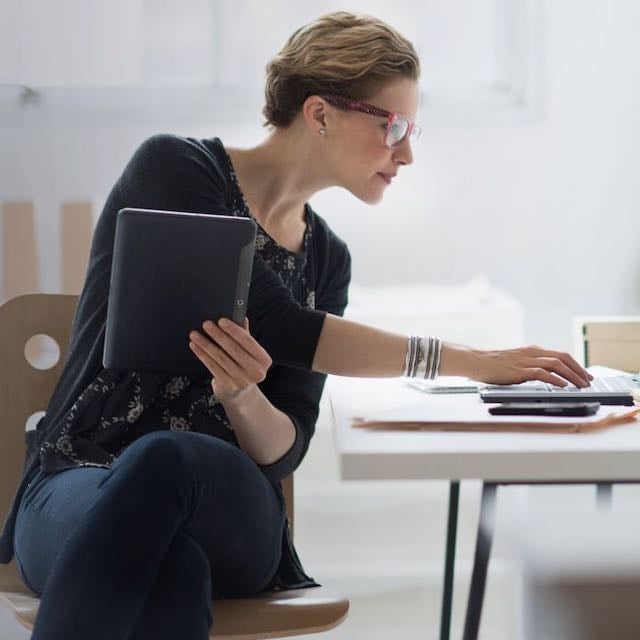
[[171, 271]]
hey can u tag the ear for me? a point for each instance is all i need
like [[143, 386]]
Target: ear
[[315, 113]]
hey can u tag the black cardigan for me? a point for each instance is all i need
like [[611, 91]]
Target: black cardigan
[[185, 174]]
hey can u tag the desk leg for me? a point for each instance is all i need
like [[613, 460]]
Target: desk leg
[[449, 560], [604, 495], [480, 562]]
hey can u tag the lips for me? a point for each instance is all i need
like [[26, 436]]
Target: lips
[[387, 177]]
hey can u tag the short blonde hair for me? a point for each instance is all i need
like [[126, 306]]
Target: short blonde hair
[[339, 53]]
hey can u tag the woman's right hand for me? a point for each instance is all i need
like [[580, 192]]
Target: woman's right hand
[[513, 366]]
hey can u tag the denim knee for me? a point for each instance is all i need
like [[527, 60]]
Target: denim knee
[[153, 458]]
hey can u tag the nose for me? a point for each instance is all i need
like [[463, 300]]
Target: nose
[[402, 153]]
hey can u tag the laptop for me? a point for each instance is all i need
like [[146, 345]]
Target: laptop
[[617, 389], [171, 271]]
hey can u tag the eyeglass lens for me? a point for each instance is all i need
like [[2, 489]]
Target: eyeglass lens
[[397, 130]]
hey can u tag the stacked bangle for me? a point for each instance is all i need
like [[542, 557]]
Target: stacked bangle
[[423, 357]]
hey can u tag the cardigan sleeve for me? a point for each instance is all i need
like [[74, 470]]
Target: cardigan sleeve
[[297, 393]]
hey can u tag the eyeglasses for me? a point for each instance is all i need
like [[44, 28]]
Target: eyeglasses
[[399, 126]]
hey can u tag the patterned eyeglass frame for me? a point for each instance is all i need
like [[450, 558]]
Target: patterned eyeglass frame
[[349, 104]]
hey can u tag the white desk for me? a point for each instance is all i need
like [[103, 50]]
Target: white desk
[[608, 456]]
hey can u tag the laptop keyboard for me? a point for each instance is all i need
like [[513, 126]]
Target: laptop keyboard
[[614, 384], [617, 383]]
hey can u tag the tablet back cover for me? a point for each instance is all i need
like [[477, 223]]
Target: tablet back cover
[[171, 271]]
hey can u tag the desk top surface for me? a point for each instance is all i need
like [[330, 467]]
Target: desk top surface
[[611, 454]]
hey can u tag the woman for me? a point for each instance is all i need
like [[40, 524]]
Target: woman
[[144, 496]]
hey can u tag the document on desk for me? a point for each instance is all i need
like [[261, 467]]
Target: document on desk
[[477, 418]]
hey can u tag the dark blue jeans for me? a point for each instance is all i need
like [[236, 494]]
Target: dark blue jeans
[[138, 551]]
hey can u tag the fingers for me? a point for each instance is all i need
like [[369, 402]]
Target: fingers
[[244, 364], [217, 359], [209, 362], [573, 365], [556, 365], [539, 373], [248, 354], [243, 338], [563, 364]]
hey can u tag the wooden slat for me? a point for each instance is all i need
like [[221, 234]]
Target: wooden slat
[[19, 255], [76, 231]]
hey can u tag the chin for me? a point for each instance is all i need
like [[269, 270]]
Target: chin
[[368, 196], [374, 199]]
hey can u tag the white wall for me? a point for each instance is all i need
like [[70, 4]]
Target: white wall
[[549, 209]]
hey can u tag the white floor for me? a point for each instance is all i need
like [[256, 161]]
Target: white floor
[[382, 544]]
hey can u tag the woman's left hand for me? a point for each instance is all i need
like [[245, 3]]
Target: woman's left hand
[[235, 359]]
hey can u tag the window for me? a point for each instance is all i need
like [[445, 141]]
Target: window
[[188, 58]]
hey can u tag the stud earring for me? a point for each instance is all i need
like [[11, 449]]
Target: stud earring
[[322, 131]]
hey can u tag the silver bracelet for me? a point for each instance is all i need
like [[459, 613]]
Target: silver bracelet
[[427, 355], [410, 363], [423, 357], [435, 362]]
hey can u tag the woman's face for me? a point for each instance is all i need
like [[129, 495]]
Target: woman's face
[[361, 161]]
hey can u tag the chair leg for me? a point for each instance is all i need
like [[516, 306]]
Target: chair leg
[[484, 540], [449, 562]]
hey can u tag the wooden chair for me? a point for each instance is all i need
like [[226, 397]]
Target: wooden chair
[[25, 390]]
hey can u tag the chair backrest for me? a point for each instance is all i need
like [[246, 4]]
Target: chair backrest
[[26, 389]]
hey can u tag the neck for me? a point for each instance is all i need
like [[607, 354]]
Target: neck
[[277, 177]]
